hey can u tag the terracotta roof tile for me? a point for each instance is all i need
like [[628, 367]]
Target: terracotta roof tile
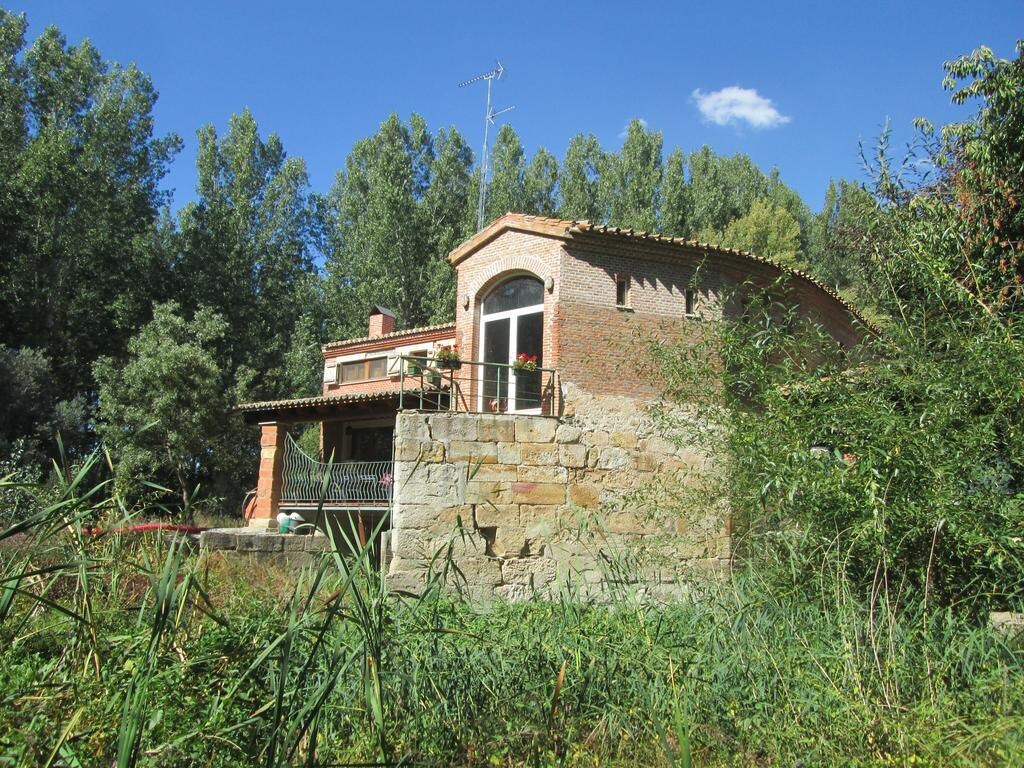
[[308, 402], [392, 335]]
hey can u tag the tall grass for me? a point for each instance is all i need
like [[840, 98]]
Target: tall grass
[[130, 653]]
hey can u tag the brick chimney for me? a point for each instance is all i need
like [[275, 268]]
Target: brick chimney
[[381, 321]]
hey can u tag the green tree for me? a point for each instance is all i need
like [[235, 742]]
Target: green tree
[[766, 231], [79, 197], [675, 212], [541, 182], [838, 249], [244, 248], [507, 188], [382, 245], [580, 180], [443, 213], [632, 179], [161, 412]]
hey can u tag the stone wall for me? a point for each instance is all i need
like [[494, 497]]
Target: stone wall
[[511, 504]]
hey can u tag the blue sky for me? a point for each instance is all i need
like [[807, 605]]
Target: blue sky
[[806, 81]]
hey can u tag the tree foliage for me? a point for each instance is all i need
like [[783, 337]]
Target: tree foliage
[[902, 461], [161, 411], [79, 194], [383, 247]]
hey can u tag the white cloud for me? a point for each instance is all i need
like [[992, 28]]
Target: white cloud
[[733, 105]]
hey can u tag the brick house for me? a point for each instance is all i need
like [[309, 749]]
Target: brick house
[[512, 453]]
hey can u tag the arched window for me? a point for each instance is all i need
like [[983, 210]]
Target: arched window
[[511, 324]]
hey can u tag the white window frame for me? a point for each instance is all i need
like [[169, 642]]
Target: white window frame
[[512, 315]]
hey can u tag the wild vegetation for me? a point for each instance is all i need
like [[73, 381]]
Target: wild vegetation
[[128, 652], [878, 492]]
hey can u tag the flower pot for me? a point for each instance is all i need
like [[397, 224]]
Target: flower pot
[[414, 369], [453, 365], [434, 379]]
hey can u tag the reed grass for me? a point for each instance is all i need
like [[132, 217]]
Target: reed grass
[[134, 653]]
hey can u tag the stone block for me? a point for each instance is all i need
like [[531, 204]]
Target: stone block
[[451, 427], [496, 429], [218, 539], [645, 462], [538, 493], [612, 458], [509, 541], [574, 456], [542, 454], [624, 439], [496, 515], [429, 451], [585, 495], [494, 472], [293, 543], [318, 542], [514, 593], [412, 425], [518, 570], [568, 433], [542, 474], [535, 429], [593, 454], [482, 492], [260, 542], [509, 453], [416, 515], [541, 516], [472, 452], [598, 438], [407, 581], [480, 571]]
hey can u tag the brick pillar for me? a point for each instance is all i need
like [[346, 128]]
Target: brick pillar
[[268, 489]]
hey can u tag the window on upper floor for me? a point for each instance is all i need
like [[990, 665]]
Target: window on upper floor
[[622, 291], [363, 370]]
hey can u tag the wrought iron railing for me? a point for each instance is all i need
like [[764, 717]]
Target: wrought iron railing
[[306, 479], [474, 386]]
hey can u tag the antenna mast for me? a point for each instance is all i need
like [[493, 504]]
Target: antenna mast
[[489, 115]]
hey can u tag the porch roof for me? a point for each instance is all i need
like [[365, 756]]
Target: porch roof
[[302, 408]]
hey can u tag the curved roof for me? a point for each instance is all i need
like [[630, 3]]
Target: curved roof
[[567, 230]]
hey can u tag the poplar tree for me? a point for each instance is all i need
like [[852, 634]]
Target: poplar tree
[[79, 173], [674, 218], [632, 179], [580, 180], [245, 246], [541, 181]]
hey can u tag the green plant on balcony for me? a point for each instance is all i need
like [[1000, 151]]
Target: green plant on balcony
[[524, 363], [448, 357]]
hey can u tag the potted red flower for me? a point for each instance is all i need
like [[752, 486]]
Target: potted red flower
[[524, 363], [448, 357]]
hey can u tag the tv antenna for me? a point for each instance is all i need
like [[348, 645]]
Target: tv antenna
[[489, 115]]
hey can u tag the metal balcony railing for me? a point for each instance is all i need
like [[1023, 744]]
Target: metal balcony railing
[[474, 386], [306, 479]]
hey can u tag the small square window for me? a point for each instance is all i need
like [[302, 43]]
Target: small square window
[[690, 301], [621, 291]]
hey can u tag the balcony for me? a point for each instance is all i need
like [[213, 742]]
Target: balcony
[[475, 386], [307, 481]]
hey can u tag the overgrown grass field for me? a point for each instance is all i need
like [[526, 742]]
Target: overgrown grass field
[[136, 652]]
